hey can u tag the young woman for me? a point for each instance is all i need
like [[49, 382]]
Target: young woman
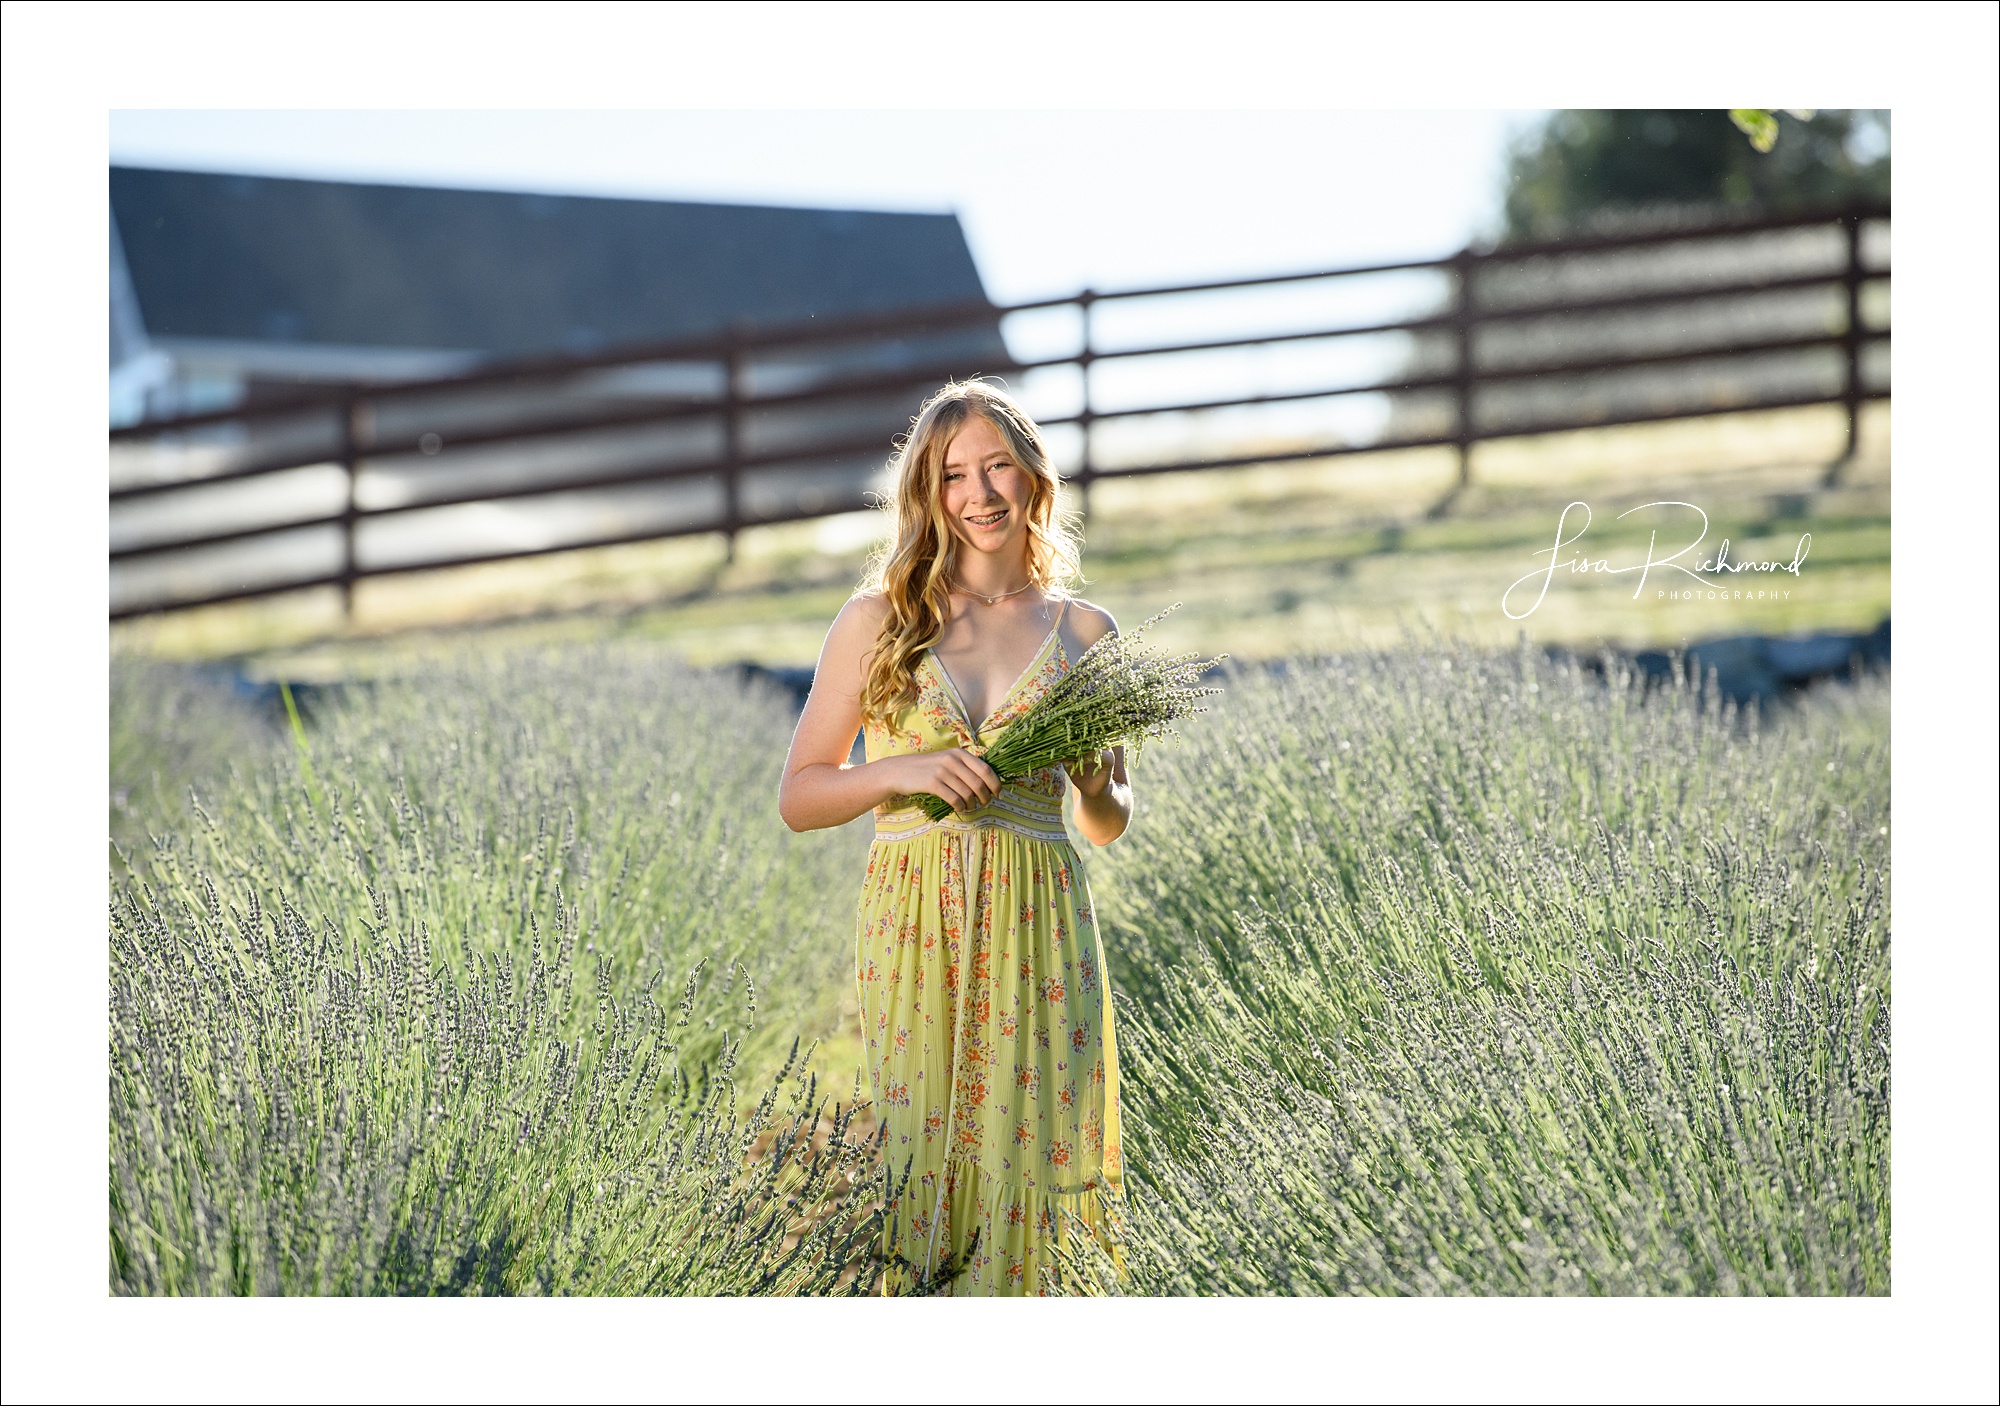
[[984, 999]]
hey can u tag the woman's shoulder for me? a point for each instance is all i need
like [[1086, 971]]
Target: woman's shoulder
[[1090, 623], [865, 611], [858, 625]]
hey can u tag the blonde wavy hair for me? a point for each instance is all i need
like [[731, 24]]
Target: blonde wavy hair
[[913, 570]]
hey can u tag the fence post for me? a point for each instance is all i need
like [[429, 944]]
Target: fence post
[[350, 454], [1084, 359], [1852, 346], [732, 445], [1461, 318]]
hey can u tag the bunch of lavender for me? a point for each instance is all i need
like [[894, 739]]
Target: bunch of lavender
[[1119, 693]]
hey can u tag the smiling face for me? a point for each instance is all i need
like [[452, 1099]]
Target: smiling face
[[985, 491]]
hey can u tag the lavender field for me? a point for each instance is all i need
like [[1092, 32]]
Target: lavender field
[[1440, 970]]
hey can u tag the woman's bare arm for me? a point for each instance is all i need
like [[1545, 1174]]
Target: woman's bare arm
[[820, 789], [1103, 789]]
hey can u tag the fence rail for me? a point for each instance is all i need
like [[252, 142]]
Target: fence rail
[[799, 414]]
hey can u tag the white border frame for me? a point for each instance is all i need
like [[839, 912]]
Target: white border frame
[[66, 66]]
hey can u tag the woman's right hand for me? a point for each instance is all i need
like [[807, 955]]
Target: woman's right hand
[[955, 776]]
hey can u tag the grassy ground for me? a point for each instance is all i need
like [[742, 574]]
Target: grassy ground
[[1331, 555]]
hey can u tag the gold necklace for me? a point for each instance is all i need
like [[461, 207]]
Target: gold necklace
[[995, 600]]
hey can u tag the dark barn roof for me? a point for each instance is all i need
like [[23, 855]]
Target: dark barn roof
[[254, 258]]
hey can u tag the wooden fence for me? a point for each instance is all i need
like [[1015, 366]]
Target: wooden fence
[[332, 485]]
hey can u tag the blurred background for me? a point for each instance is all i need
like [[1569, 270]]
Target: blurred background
[[381, 377]]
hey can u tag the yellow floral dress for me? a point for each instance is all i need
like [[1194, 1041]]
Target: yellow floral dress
[[987, 1015]]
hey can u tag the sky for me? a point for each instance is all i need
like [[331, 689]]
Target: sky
[[1051, 201]]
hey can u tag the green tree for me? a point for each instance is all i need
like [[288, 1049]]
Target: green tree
[[1585, 167]]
